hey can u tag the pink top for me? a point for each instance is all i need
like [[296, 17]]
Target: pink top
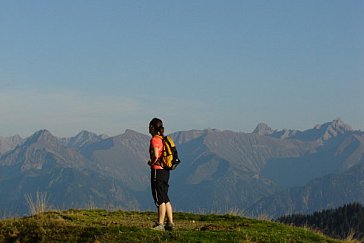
[[156, 142]]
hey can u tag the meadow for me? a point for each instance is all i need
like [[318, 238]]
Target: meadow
[[98, 225]]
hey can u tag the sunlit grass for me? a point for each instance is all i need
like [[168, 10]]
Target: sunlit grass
[[39, 204], [121, 226]]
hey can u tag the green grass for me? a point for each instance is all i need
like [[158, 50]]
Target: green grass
[[121, 226]]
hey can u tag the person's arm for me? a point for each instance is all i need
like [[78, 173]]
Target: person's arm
[[154, 156]]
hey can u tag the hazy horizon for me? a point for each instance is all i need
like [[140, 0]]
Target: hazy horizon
[[168, 131]]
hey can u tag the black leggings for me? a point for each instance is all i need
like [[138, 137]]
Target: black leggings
[[159, 182]]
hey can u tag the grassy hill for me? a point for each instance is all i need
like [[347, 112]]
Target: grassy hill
[[121, 226]]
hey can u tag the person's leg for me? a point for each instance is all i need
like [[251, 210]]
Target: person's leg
[[162, 213], [156, 193], [159, 225], [169, 212]]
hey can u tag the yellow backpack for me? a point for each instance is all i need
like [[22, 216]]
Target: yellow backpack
[[170, 158]]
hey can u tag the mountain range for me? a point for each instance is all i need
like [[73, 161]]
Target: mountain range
[[265, 172]]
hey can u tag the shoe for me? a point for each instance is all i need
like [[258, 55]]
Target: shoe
[[158, 226], [169, 226]]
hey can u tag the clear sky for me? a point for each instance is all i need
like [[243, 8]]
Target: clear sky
[[107, 66]]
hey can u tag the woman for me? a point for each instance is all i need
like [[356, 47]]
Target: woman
[[159, 176]]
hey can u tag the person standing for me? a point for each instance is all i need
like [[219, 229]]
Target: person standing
[[159, 177]]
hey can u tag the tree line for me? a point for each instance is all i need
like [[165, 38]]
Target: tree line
[[342, 222]]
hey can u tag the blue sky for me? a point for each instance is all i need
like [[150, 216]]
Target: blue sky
[[106, 66]]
